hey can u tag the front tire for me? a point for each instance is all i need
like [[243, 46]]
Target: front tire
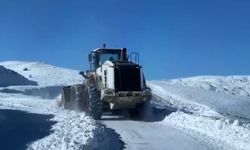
[[93, 103]]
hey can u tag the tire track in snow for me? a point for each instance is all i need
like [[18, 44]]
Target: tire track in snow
[[150, 133]]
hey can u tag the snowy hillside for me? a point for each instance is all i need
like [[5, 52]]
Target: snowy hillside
[[44, 74], [10, 77], [237, 85]]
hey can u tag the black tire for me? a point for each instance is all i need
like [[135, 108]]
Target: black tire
[[93, 103]]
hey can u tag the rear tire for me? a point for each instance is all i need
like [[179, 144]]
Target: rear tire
[[142, 111], [93, 103]]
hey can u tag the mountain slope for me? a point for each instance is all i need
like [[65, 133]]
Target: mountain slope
[[10, 77]]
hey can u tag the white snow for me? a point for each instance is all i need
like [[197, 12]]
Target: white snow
[[237, 85], [71, 132], [224, 133], [228, 104]]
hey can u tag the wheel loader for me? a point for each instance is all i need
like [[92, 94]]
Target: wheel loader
[[114, 82]]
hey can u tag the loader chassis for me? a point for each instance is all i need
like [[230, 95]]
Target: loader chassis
[[113, 82]]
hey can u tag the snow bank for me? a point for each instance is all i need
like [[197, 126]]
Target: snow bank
[[226, 134], [227, 104], [201, 101], [10, 77], [44, 74], [72, 131]]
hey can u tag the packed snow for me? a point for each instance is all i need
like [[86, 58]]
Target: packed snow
[[213, 112], [139, 135], [225, 133], [72, 131]]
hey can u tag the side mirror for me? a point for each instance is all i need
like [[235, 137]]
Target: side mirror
[[83, 74]]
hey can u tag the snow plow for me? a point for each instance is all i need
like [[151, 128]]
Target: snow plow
[[114, 82]]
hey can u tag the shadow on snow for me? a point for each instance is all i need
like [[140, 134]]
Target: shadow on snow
[[19, 128]]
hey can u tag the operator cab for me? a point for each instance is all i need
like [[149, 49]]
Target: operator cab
[[98, 56]]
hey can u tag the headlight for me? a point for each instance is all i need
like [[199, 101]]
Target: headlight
[[147, 90]]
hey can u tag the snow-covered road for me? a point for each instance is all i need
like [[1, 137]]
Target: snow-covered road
[[139, 135]]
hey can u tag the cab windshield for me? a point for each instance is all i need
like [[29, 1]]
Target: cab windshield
[[109, 56]]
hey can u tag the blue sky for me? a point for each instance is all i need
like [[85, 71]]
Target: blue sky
[[175, 38]]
